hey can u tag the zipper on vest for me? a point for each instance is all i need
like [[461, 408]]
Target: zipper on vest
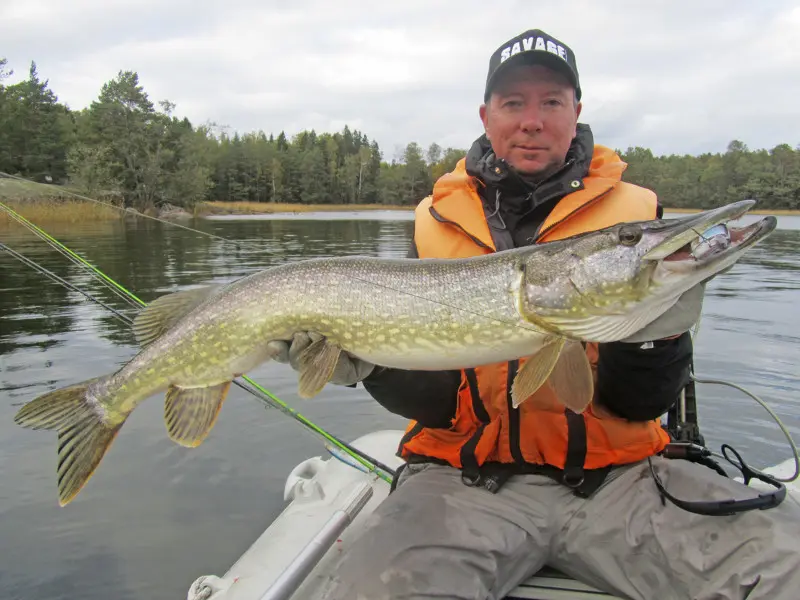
[[513, 416], [542, 233], [441, 219]]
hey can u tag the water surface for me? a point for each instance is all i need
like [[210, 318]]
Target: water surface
[[155, 516]]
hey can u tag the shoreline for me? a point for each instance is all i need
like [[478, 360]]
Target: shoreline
[[53, 203], [64, 209], [269, 208]]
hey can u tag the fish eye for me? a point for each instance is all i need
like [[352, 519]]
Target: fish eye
[[629, 235]]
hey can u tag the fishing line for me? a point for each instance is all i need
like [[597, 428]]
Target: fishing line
[[28, 225], [516, 324], [79, 260], [44, 271], [116, 287], [123, 209], [72, 256]]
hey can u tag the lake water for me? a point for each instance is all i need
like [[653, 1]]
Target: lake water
[[155, 515]]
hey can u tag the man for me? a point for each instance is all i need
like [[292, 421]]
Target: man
[[490, 493]]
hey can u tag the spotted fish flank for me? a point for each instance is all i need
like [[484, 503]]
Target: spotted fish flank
[[536, 302]]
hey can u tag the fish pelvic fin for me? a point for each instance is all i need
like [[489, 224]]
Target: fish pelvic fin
[[158, 317], [572, 378], [316, 366], [83, 435], [535, 372], [190, 413], [564, 366]]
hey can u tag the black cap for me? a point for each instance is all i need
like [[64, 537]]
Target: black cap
[[534, 47]]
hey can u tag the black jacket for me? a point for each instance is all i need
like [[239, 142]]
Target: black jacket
[[632, 382]]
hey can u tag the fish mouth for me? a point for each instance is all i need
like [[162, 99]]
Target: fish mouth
[[707, 238]]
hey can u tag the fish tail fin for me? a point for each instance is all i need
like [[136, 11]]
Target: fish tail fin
[[83, 435]]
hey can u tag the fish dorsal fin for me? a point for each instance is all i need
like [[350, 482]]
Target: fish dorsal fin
[[563, 364], [160, 315], [190, 413], [316, 365]]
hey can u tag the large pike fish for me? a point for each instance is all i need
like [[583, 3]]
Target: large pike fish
[[538, 302]]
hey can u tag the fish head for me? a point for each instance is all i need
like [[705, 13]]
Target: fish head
[[629, 273]]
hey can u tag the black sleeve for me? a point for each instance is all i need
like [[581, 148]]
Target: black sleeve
[[428, 397], [642, 384]]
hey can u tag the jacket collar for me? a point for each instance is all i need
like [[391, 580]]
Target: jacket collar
[[482, 163], [585, 161]]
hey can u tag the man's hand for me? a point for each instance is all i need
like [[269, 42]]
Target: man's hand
[[349, 370], [677, 320]]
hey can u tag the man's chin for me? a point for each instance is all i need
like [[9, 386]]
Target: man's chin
[[530, 168]]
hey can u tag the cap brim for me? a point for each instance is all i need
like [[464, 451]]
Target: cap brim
[[533, 57]]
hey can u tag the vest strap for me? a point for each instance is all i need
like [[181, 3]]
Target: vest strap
[[513, 415], [576, 449], [470, 470], [477, 404]]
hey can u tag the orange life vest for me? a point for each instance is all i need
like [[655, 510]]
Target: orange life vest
[[451, 224]]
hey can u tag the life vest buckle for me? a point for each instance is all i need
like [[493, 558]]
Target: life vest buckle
[[573, 477]]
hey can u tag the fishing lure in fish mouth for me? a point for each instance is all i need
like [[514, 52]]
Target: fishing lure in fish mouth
[[713, 239]]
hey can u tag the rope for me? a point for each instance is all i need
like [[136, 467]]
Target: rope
[[795, 453]]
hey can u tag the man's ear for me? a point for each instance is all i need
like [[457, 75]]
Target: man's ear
[[484, 114], [577, 116]]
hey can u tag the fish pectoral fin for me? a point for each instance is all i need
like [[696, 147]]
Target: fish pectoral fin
[[572, 379], [159, 316], [190, 413], [316, 365], [535, 372]]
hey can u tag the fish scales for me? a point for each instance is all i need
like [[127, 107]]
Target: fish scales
[[423, 316], [429, 315], [537, 303]]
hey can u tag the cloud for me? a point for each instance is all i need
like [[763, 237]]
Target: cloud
[[677, 77]]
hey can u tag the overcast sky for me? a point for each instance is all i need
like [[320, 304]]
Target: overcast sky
[[675, 76]]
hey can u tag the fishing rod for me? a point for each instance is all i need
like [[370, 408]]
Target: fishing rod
[[371, 464]]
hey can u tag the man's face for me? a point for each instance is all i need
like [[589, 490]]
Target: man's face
[[531, 118]]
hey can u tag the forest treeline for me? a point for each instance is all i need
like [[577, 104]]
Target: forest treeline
[[125, 146]]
